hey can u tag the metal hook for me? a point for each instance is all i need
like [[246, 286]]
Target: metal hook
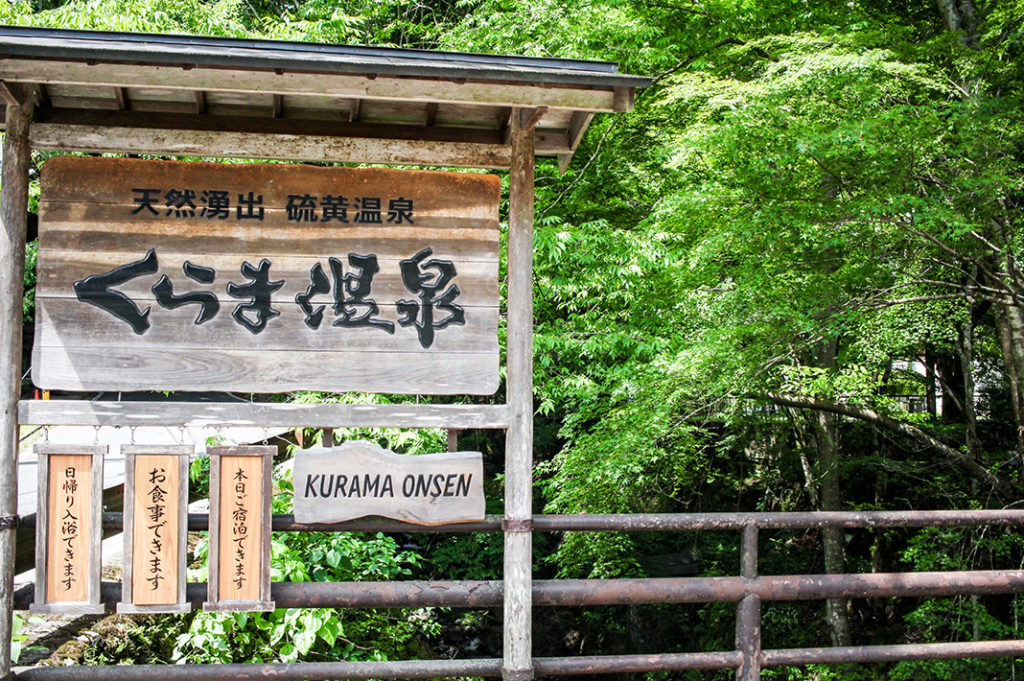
[[46, 435]]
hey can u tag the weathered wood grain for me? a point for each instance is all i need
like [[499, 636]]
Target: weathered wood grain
[[518, 563], [477, 281], [13, 216], [123, 368], [334, 85], [214, 244], [96, 218], [359, 478], [333, 122], [286, 147], [67, 322], [270, 415], [435, 193]]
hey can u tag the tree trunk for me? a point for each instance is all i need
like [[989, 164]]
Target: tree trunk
[[833, 538], [961, 17], [929, 390], [966, 352], [1010, 325], [951, 377]]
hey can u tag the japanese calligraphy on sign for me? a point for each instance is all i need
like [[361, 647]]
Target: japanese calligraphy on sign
[[69, 531], [156, 529], [266, 278], [68, 528], [240, 496], [239, 526]]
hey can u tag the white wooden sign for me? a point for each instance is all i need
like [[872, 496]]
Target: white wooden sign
[[162, 275], [335, 484]]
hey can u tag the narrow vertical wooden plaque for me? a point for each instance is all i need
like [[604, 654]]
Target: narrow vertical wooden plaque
[[68, 529], [240, 513], [155, 529]]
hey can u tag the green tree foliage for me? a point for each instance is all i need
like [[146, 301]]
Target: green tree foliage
[[290, 635]]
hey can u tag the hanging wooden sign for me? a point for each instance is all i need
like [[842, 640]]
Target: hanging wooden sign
[[68, 529], [240, 514], [155, 529], [265, 278], [335, 484]]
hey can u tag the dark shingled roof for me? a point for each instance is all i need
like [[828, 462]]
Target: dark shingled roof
[[278, 54]]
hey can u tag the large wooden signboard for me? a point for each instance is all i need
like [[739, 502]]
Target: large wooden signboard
[[68, 532], [335, 484], [240, 514], [155, 528], [265, 278]]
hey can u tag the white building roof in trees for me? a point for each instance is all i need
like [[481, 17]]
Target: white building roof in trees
[[197, 96]]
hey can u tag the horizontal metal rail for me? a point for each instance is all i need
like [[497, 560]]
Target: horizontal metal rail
[[748, 591], [798, 657], [589, 592], [546, 666], [650, 522], [411, 669]]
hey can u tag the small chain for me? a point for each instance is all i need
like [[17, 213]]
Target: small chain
[[46, 434], [132, 428], [96, 435]]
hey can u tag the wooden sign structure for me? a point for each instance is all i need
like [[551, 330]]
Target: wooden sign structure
[[68, 529], [240, 515], [265, 278], [155, 529], [359, 478]]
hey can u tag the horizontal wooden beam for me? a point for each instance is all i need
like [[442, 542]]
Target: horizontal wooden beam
[[367, 86], [286, 147], [548, 142], [261, 414]]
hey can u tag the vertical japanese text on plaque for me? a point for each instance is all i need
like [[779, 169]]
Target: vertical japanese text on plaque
[[240, 528]]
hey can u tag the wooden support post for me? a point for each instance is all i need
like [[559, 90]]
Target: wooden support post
[[518, 664], [13, 214], [453, 439]]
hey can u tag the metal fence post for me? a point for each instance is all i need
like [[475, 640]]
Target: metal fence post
[[748, 612]]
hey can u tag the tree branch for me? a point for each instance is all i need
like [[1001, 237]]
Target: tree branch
[[954, 456]]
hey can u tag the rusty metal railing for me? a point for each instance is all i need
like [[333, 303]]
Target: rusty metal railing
[[748, 590]]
